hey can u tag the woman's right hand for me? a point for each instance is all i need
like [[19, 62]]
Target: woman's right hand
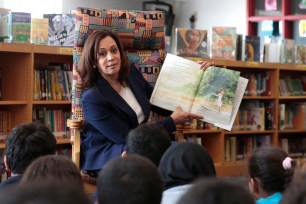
[[179, 116]]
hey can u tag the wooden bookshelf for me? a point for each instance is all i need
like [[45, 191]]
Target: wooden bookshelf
[[215, 140], [17, 62]]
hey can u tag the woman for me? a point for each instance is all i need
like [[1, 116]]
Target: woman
[[115, 100]]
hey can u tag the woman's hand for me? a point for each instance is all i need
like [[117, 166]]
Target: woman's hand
[[179, 116], [205, 64]]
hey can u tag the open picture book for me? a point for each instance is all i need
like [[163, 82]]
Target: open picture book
[[215, 93]]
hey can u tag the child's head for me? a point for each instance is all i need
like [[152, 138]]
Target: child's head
[[221, 90], [270, 170]]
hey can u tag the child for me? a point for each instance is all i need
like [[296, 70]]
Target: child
[[271, 170], [216, 191], [218, 101]]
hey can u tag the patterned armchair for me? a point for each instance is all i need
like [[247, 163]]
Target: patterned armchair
[[142, 35]]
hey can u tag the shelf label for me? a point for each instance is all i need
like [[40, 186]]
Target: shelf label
[[66, 50], [252, 64]]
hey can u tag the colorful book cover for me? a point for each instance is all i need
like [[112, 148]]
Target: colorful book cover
[[39, 31], [288, 51], [215, 93], [21, 27], [256, 118], [61, 29], [300, 54], [5, 15], [270, 5], [252, 48], [191, 43], [223, 43]]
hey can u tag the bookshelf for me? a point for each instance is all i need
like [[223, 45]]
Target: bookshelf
[[288, 14], [18, 62], [215, 140]]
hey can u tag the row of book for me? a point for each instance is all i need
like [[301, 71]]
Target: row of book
[[254, 115], [259, 84], [5, 122], [52, 29], [295, 147], [292, 86], [285, 51], [53, 82], [226, 43], [54, 119], [239, 148], [292, 116]]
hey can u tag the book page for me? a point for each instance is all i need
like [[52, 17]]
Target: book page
[[177, 83], [242, 84], [216, 95]]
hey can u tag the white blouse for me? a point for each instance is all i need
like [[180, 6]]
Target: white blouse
[[127, 94]]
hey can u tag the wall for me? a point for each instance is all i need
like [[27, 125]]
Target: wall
[[209, 13], [212, 13], [107, 4]]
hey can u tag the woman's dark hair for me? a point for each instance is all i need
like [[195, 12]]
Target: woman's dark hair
[[89, 59], [266, 165]]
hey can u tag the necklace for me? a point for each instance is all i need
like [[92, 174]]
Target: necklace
[[121, 88]]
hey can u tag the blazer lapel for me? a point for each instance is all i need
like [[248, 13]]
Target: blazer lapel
[[140, 95], [116, 100]]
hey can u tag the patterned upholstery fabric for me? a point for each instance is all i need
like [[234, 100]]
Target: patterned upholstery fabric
[[141, 33]]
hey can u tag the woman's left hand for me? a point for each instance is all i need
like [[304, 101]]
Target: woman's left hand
[[205, 64]]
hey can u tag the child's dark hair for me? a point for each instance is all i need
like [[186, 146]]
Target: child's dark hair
[[272, 167]]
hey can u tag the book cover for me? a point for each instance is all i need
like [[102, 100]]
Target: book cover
[[5, 15], [191, 43], [211, 93], [21, 27], [252, 48], [272, 52], [39, 31], [288, 51], [223, 43], [301, 54], [256, 118], [61, 29]]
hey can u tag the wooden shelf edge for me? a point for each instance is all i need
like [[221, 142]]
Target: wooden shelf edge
[[204, 131], [291, 97], [13, 102], [51, 102], [248, 132], [16, 47], [45, 49]]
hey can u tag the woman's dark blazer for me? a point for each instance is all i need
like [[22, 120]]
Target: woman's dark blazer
[[109, 119]]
